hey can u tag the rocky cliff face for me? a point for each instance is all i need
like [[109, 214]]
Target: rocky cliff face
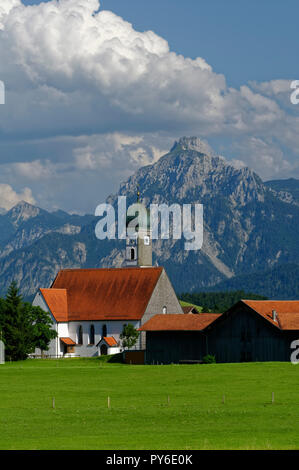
[[249, 226]]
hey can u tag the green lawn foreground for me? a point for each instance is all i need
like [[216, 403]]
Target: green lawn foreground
[[140, 417]]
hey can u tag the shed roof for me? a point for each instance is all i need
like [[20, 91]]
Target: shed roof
[[110, 340], [101, 294], [287, 312], [179, 322], [68, 341]]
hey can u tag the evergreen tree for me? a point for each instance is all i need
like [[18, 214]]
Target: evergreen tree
[[17, 329], [23, 326]]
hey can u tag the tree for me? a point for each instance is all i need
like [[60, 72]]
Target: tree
[[129, 336], [42, 324], [24, 327], [17, 330]]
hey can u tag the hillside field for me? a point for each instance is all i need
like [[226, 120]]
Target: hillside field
[[140, 416]]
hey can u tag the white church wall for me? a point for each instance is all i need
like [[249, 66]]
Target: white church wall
[[53, 350], [63, 331], [114, 328]]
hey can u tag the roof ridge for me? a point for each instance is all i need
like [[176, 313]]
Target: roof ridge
[[129, 268]]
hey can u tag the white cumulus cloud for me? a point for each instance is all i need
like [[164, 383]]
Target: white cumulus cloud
[[9, 197], [87, 93]]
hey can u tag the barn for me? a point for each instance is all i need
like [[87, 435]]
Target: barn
[[248, 331], [255, 331], [174, 338]]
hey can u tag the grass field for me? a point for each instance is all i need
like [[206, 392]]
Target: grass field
[[140, 416]]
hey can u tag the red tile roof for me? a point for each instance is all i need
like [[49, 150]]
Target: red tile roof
[[56, 299], [68, 341], [179, 322], [110, 340], [101, 294], [288, 321], [287, 312]]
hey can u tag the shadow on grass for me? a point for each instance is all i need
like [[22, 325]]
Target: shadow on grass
[[112, 359]]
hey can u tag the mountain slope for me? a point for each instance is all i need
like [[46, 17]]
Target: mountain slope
[[249, 226], [287, 190], [280, 282], [25, 223]]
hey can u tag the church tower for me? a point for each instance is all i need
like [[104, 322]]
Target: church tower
[[139, 247]]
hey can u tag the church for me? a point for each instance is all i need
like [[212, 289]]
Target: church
[[89, 307]]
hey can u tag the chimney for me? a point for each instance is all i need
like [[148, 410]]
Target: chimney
[[274, 315]]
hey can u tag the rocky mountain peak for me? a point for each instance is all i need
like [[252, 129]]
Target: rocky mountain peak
[[194, 144], [22, 211], [191, 172]]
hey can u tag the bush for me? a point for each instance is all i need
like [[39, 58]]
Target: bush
[[209, 359]]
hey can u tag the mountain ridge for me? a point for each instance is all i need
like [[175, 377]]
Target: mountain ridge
[[249, 225]]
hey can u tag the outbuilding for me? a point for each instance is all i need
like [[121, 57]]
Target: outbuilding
[[249, 331], [174, 338]]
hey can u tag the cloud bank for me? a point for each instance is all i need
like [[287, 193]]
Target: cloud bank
[[88, 96]]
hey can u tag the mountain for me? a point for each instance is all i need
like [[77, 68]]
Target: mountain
[[249, 226], [280, 282], [25, 223], [287, 190]]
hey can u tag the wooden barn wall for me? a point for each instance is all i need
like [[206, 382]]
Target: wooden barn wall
[[244, 337], [241, 337], [173, 346]]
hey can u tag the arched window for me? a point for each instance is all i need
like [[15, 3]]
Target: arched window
[[164, 309], [79, 335], [91, 334], [132, 254], [104, 330]]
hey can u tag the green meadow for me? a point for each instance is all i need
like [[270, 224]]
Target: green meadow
[[213, 406]]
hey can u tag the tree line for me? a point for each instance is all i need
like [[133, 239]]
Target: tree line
[[23, 327], [218, 302]]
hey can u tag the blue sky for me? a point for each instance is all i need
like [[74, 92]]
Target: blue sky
[[244, 40], [93, 94]]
